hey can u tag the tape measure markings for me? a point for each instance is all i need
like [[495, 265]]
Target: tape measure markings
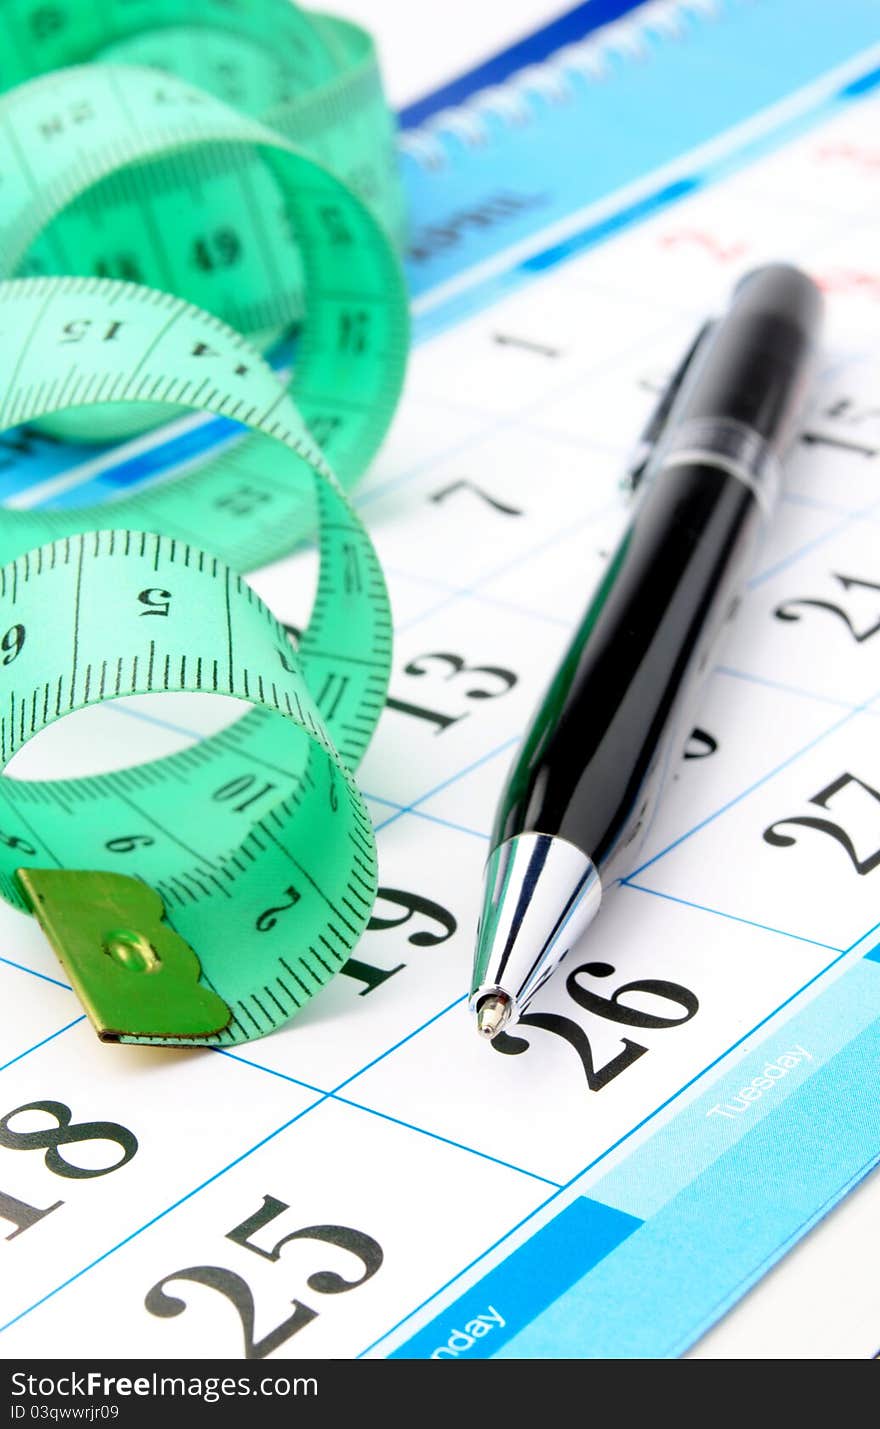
[[378, 321], [185, 887], [241, 833]]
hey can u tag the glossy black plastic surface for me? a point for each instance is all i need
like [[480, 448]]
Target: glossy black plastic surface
[[624, 698], [592, 765], [754, 364]]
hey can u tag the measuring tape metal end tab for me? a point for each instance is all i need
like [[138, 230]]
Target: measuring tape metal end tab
[[133, 974], [256, 839], [179, 191]]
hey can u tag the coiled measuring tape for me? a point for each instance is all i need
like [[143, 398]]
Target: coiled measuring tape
[[256, 841]]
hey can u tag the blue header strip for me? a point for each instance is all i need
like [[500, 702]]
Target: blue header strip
[[506, 1300], [574, 25], [676, 1232]]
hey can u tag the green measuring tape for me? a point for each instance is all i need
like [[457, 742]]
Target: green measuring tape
[[256, 840]]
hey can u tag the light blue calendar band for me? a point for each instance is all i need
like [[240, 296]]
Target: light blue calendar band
[[529, 176], [645, 1262], [542, 161], [607, 1276], [544, 1310]]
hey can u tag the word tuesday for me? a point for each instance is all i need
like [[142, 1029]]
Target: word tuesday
[[754, 1090]]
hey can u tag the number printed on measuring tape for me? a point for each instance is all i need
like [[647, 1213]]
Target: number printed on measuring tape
[[126, 303]]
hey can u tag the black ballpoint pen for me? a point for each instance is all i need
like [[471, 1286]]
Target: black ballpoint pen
[[585, 783]]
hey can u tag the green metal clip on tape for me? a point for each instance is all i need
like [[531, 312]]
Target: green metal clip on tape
[[255, 843]]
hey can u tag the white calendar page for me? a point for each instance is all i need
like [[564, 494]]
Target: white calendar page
[[377, 1116]]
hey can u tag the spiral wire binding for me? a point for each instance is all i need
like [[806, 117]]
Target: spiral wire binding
[[555, 80]]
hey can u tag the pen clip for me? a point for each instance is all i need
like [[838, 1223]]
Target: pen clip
[[655, 426]]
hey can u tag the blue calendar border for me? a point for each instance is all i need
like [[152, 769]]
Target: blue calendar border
[[533, 49], [847, 93], [643, 1260], [464, 304]]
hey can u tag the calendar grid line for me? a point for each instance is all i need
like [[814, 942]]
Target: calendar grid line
[[333, 1095], [147, 718], [423, 1026], [160, 1215], [768, 1017], [734, 917], [811, 546], [513, 420], [530, 1216], [515, 608], [608, 1151], [853, 516], [784, 688], [790, 498], [472, 589], [373, 490], [447, 1141], [533, 418], [453, 779], [231, 1056], [42, 1042], [20, 967], [383, 1116], [475, 594], [863, 937], [320, 1101], [446, 823], [459, 1274], [381, 799], [798, 754], [521, 419]]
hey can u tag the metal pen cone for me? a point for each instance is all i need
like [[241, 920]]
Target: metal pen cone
[[540, 894]]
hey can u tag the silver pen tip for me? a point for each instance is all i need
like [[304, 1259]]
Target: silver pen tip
[[492, 1014]]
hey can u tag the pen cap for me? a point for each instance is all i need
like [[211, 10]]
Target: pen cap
[[758, 358]]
